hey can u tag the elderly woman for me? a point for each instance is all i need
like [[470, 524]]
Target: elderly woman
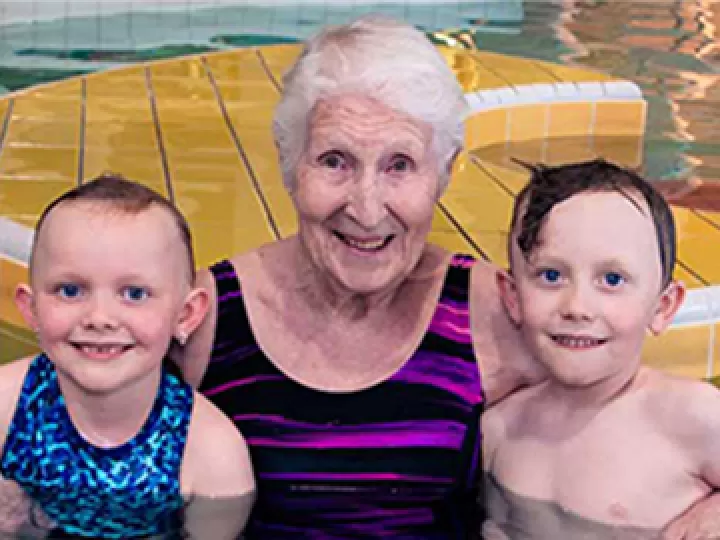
[[356, 358]]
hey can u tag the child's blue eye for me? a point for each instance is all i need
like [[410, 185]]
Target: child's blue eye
[[68, 290], [135, 294], [550, 275], [613, 279]]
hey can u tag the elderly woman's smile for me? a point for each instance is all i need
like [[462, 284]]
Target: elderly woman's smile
[[365, 246], [365, 191]]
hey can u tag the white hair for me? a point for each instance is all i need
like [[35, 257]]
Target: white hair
[[380, 58]]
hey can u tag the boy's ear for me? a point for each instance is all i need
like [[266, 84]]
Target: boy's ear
[[668, 304], [193, 312], [509, 294], [24, 300]]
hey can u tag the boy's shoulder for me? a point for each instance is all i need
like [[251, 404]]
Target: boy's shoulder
[[216, 461], [682, 407], [502, 416]]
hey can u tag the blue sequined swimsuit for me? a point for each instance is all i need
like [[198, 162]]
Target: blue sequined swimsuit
[[132, 490]]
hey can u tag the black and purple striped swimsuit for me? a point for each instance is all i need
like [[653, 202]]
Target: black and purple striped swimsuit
[[399, 459]]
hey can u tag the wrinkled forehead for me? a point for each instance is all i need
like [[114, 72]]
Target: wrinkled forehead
[[366, 120]]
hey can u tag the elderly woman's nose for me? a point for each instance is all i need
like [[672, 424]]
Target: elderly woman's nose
[[367, 202]]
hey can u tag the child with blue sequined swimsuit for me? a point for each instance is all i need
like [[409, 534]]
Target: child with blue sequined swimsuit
[[96, 430]]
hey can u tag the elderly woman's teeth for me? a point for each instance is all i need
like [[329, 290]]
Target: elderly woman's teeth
[[365, 245]]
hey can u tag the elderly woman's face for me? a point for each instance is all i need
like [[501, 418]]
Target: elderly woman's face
[[365, 191]]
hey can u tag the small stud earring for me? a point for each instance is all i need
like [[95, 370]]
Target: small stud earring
[[181, 338]]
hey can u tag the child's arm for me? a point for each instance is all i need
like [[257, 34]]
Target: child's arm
[[12, 376], [496, 509], [217, 476], [17, 512], [697, 426]]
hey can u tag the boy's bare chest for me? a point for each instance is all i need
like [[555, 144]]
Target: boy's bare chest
[[608, 468]]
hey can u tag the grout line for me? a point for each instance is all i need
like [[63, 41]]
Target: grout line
[[241, 151], [158, 135], [6, 123], [268, 72], [693, 273], [462, 231], [475, 161], [83, 122]]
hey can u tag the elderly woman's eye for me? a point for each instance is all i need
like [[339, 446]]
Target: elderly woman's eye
[[400, 164], [332, 160]]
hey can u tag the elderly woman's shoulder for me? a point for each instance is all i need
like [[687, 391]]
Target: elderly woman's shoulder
[[246, 264]]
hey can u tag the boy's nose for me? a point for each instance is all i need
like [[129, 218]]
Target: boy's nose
[[577, 304]]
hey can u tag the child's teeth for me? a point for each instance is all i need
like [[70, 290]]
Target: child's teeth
[[103, 349], [578, 342]]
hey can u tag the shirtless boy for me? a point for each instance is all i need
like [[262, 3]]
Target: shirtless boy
[[605, 448]]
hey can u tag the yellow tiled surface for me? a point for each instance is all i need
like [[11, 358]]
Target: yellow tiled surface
[[515, 70], [565, 73], [470, 73], [486, 128], [528, 122], [278, 59], [569, 119], [684, 351], [197, 129], [619, 118]]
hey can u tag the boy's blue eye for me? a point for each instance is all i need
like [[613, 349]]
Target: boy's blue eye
[[614, 279], [135, 294], [68, 290], [550, 275]]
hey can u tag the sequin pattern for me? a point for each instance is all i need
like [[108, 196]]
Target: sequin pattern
[[128, 491]]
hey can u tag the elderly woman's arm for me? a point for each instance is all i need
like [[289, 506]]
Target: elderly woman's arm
[[504, 360]]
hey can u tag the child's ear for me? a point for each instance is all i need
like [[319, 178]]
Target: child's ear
[[509, 294], [24, 300], [668, 304], [193, 312]]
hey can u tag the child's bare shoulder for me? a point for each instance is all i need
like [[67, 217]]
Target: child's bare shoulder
[[12, 376], [515, 403], [684, 407], [503, 416], [216, 462]]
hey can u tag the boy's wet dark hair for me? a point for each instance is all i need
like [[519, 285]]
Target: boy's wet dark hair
[[125, 196], [549, 186]]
